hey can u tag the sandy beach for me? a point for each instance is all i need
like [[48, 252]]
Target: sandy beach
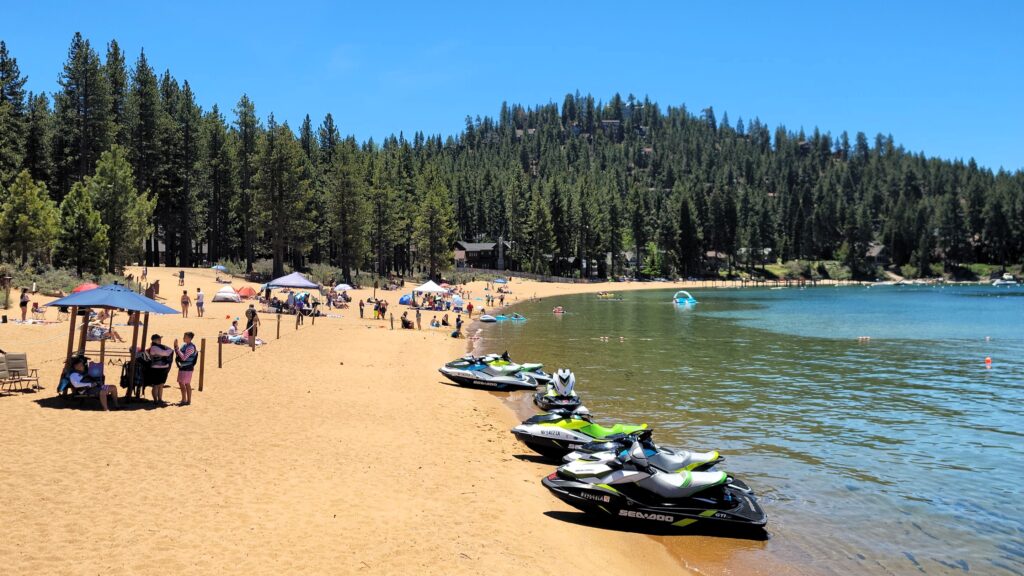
[[336, 449]]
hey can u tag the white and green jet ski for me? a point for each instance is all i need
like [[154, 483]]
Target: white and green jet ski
[[630, 489], [559, 393], [661, 457], [496, 372], [561, 431]]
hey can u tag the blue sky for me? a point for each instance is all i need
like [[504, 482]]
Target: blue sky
[[943, 77]]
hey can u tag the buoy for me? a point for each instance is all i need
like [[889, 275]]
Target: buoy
[[988, 359]]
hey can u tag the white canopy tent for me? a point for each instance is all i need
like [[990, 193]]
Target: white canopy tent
[[227, 294], [293, 280], [430, 287]]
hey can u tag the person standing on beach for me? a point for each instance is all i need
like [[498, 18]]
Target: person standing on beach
[[252, 322], [469, 309], [458, 325], [185, 303], [181, 278], [145, 273], [361, 306], [418, 319], [186, 357], [199, 301], [24, 303]]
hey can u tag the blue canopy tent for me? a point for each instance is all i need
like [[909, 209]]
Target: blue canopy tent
[[405, 300], [293, 280], [110, 297]]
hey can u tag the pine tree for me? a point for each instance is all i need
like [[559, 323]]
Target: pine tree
[[145, 119], [83, 243], [13, 116], [282, 192], [82, 108], [435, 227], [247, 130], [125, 212], [220, 183], [116, 73], [38, 134], [28, 220], [348, 216]]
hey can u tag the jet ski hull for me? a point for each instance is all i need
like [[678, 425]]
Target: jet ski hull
[[550, 441], [734, 506], [474, 379]]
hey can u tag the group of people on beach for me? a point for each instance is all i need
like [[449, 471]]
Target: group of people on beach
[[186, 302]]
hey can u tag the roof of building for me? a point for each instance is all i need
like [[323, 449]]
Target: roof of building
[[479, 246]]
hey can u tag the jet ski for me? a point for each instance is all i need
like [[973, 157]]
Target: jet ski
[[503, 363], [661, 457], [561, 431], [559, 392], [630, 489], [494, 372]]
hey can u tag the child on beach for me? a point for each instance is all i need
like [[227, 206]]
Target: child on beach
[[185, 302], [186, 357]]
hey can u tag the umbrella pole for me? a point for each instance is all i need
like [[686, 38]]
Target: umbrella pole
[[71, 336], [145, 334]]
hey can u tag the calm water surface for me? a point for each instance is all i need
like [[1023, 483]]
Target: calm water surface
[[900, 455]]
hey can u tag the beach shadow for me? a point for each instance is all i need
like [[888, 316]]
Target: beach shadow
[[93, 404], [697, 529], [537, 459]]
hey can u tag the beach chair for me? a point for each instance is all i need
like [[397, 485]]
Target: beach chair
[[17, 368], [5, 376], [38, 314]]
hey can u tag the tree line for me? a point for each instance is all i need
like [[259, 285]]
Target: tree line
[[121, 165]]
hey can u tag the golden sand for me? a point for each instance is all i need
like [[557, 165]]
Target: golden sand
[[336, 449]]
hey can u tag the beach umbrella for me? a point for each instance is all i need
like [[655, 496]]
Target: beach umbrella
[[342, 287], [219, 268], [85, 287], [293, 280], [112, 297], [457, 301]]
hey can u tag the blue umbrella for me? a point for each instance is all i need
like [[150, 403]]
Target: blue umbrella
[[219, 268], [113, 296]]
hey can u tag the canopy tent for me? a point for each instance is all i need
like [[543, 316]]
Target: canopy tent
[[430, 287], [342, 287], [293, 280], [246, 292], [84, 287], [405, 300], [227, 294]]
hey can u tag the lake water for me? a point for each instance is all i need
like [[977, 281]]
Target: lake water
[[899, 455]]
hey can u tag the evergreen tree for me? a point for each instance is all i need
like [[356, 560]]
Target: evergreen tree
[[125, 212], [116, 73], [346, 190], [282, 192], [13, 115], [28, 220], [145, 122], [82, 108], [83, 243], [220, 183], [38, 134], [435, 228], [247, 130]]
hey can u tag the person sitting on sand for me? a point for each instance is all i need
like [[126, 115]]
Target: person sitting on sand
[[233, 334], [79, 378], [444, 321], [407, 324], [434, 323]]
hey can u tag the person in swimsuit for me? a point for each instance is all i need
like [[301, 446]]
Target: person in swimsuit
[[185, 302]]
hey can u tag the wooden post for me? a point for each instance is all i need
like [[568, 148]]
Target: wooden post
[[103, 351], [313, 319], [278, 325], [71, 335], [220, 353], [85, 331], [202, 361], [296, 321], [134, 351], [145, 330]]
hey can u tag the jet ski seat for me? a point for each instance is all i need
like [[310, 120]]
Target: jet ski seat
[[680, 485], [668, 459]]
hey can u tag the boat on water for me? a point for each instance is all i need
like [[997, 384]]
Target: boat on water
[[684, 298], [1007, 280], [488, 318], [558, 310]]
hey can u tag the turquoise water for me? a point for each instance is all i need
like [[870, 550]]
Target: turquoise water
[[902, 454]]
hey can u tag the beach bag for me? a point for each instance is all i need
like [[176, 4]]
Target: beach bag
[[95, 370]]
